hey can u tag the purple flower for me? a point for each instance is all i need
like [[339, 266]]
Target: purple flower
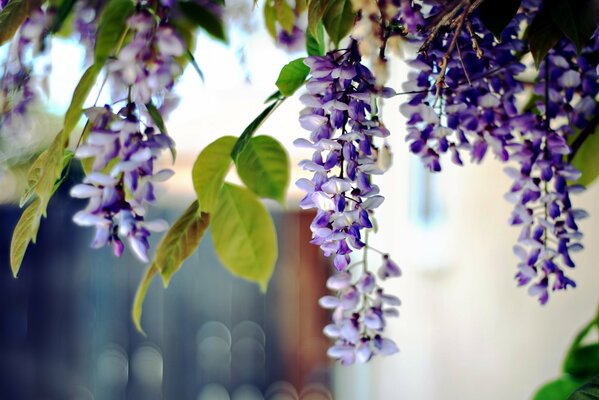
[[121, 182]]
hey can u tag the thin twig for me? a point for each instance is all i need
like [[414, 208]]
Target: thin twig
[[475, 45], [464, 66]]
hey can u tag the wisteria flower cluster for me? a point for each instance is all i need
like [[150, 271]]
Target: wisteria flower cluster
[[464, 98], [121, 181], [341, 106]]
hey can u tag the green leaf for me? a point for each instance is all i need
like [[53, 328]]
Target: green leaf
[[244, 235], [62, 13], [558, 389], [75, 110], [203, 18], [140, 295], [338, 19], [263, 166], [210, 169], [543, 34], [583, 362], [25, 232], [577, 19], [586, 159], [316, 10], [159, 122], [497, 14], [12, 17], [112, 28], [292, 76], [590, 391], [315, 43], [194, 64], [285, 15], [248, 132], [270, 18], [180, 241]]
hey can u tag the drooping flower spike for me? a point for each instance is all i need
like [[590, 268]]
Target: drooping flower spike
[[347, 137]]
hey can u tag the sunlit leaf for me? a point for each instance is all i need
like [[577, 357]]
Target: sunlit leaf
[[82, 91], [270, 18], [263, 166], [140, 295], [244, 235], [209, 171], [24, 233], [285, 15], [111, 28], [180, 241], [292, 76], [13, 15]]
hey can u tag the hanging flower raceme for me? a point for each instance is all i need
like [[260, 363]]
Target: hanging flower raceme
[[147, 64], [465, 96], [541, 190], [122, 178], [20, 86], [121, 182], [341, 115]]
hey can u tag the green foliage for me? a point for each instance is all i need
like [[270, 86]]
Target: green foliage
[[285, 15], [112, 28], [63, 11], [180, 241], [497, 14], [543, 34], [243, 235], [253, 126], [292, 76], [577, 19], [270, 18], [316, 10], [558, 389], [589, 391], [338, 19], [84, 87], [315, 45], [43, 180], [140, 295], [586, 159], [204, 19], [263, 166], [25, 232], [13, 15], [210, 169], [580, 364]]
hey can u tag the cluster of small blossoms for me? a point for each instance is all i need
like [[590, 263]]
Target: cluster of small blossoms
[[360, 309], [541, 191], [341, 116], [147, 65], [474, 109], [20, 86], [87, 15], [293, 40], [121, 181]]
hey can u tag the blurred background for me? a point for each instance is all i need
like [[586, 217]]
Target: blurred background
[[465, 330]]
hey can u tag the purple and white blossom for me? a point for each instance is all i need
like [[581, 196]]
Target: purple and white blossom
[[341, 115], [121, 181]]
